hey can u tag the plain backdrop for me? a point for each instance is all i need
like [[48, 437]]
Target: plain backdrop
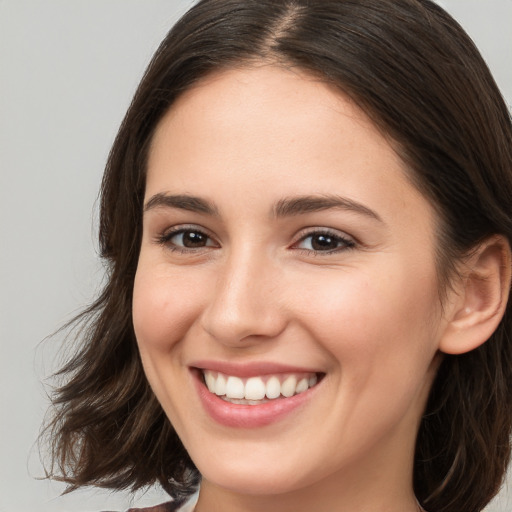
[[68, 69]]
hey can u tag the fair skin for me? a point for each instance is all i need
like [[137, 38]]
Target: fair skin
[[282, 238]]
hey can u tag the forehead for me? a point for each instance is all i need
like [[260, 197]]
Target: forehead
[[269, 106], [250, 128]]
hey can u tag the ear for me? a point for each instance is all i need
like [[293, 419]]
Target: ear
[[477, 302]]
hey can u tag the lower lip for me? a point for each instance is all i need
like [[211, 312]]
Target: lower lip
[[249, 416]]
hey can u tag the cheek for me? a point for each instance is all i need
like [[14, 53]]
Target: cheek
[[366, 319], [382, 340], [163, 309]]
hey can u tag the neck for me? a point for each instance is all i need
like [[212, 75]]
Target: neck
[[329, 495], [380, 480]]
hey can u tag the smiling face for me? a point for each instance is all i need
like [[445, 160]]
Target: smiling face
[[286, 258]]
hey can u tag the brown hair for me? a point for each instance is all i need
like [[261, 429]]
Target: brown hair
[[419, 77]]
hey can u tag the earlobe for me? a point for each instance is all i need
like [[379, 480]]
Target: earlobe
[[480, 298]]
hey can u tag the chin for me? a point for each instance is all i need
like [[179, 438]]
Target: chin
[[260, 474], [251, 481]]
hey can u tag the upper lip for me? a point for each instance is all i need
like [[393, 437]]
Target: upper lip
[[250, 369]]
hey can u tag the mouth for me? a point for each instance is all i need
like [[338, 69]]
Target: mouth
[[258, 390], [254, 394]]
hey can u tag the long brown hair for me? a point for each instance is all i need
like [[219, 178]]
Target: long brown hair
[[419, 77]]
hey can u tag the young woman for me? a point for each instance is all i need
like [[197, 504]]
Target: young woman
[[307, 220]]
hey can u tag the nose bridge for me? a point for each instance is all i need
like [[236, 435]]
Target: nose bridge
[[244, 303]]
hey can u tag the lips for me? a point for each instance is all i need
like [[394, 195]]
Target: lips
[[255, 395]]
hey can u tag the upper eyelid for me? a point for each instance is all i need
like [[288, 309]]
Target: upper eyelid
[[179, 228], [347, 242], [305, 232], [302, 234], [166, 234]]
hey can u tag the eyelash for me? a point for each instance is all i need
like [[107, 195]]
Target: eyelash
[[166, 237], [344, 243]]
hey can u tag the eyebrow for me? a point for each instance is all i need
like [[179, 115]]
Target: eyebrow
[[182, 202], [287, 207], [300, 205]]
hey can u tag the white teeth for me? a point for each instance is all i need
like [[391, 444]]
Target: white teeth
[[302, 385], [210, 381], [273, 388], [288, 386], [220, 385], [257, 390], [242, 401], [235, 388]]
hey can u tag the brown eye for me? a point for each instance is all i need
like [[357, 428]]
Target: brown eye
[[193, 239], [324, 242], [187, 239]]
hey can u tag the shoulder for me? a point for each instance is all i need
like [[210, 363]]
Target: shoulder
[[186, 504], [164, 507]]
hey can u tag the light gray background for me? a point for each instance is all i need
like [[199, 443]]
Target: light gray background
[[68, 69]]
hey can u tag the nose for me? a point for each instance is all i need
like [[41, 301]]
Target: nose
[[245, 306]]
